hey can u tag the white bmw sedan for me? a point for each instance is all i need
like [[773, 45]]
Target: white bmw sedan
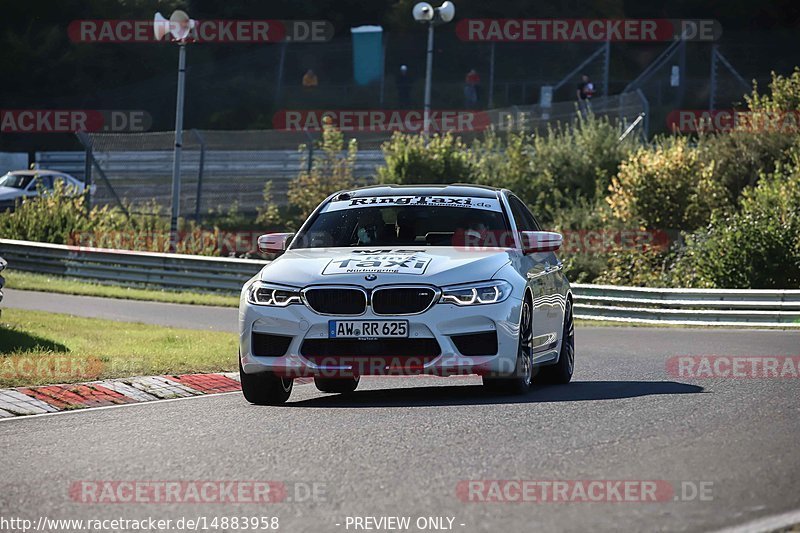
[[437, 279]]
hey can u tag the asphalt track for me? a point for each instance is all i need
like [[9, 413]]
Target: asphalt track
[[400, 446], [157, 313]]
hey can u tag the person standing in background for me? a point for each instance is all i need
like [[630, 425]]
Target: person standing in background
[[403, 88], [310, 80], [584, 93], [472, 85]]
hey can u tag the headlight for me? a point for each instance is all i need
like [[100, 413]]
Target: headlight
[[260, 293], [481, 292]]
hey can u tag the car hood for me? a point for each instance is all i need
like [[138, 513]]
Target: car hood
[[10, 193], [369, 267]]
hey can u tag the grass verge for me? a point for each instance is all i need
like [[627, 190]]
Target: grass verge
[[27, 281], [38, 348]]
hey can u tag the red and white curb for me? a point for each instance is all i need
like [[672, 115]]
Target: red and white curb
[[22, 401]]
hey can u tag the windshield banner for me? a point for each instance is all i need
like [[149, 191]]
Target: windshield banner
[[464, 202]]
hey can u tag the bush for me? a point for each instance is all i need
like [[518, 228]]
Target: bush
[[52, 217], [555, 170], [784, 94], [742, 155], [330, 172], [739, 157], [757, 247], [666, 188], [411, 159], [60, 217], [634, 267], [549, 172], [744, 232], [268, 214]]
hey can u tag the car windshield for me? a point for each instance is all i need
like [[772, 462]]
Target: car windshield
[[404, 221], [16, 181]]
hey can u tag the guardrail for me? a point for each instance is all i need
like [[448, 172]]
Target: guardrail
[[721, 307], [167, 271]]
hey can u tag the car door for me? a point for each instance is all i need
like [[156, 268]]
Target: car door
[[542, 275], [43, 184]]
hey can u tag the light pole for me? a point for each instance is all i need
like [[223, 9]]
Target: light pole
[[180, 26], [426, 14]]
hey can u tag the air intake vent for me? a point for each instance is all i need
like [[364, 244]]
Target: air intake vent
[[265, 345], [476, 343]]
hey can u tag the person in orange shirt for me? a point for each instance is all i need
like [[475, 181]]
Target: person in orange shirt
[[310, 79]]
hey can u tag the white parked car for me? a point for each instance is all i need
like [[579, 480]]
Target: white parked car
[[443, 280], [21, 184]]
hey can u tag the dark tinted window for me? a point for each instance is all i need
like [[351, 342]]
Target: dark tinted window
[[522, 216], [397, 225], [43, 182], [17, 181]]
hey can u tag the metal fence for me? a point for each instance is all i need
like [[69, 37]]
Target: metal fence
[[211, 179], [221, 169], [702, 307]]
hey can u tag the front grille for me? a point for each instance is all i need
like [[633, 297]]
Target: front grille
[[336, 301], [265, 345], [402, 300], [476, 343]]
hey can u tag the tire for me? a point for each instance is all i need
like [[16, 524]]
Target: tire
[[520, 381], [561, 372], [265, 388], [337, 385]]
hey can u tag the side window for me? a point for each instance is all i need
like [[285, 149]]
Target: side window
[[44, 182], [522, 216], [532, 219]]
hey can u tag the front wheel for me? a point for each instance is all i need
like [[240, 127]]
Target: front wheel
[[561, 372], [265, 388], [520, 381]]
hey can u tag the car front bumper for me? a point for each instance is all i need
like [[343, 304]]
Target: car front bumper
[[441, 325]]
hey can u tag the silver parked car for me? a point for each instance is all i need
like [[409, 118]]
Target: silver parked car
[[21, 184]]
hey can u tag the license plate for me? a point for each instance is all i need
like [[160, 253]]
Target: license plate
[[368, 329]]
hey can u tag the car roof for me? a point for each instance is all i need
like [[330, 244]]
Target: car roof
[[38, 172], [457, 189]]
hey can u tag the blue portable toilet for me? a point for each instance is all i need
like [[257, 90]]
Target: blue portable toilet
[[367, 54]]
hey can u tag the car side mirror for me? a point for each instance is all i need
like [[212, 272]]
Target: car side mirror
[[274, 243], [540, 241]]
